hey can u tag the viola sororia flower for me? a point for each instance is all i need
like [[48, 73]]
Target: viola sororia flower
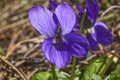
[[60, 44], [99, 31]]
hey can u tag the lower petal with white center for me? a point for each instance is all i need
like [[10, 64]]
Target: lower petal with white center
[[57, 53]]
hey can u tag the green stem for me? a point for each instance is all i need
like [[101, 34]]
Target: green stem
[[77, 1], [73, 68], [53, 72], [82, 22], [109, 17], [81, 31], [106, 65]]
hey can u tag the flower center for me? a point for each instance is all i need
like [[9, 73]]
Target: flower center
[[57, 39], [90, 30], [58, 36]]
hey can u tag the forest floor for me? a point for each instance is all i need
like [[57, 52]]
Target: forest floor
[[20, 43]]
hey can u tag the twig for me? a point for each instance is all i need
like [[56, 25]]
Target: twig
[[108, 17], [88, 59], [101, 48], [23, 60], [109, 9], [19, 63], [31, 50], [13, 39], [36, 40], [13, 25], [33, 73], [91, 57], [26, 54], [23, 74], [24, 77]]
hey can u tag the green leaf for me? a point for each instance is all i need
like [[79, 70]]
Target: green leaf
[[62, 76], [42, 76], [98, 66], [116, 74], [96, 77], [77, 74], [92, 68], [65, 76], [2, 51]]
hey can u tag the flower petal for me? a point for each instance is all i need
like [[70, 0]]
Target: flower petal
[[81, 11], [42, 20], [92, 41], [66, 18], [53, 4], [55, 19], [93, 9], [104, 36], [79, 45], [76, 28], [58, 54]]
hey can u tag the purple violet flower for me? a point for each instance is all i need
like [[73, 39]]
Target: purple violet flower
[[60, 44], [99, 32]]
